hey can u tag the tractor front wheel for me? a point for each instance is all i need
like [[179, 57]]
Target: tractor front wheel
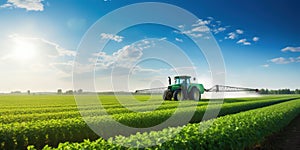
[[167, 95], [195, 94], [178, 95]]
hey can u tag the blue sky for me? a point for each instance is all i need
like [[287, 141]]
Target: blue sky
[[259, 40]]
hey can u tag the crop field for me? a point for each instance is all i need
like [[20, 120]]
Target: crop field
[[54, 122]]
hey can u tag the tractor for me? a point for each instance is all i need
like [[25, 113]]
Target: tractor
[[183, 89]]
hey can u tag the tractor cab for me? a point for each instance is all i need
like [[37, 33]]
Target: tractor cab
[[183, 89], [182, 80]]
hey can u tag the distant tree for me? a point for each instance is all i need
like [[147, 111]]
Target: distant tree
[[59, 91], [69, 92], [279, 91], [284, 91], [28, 92], [273, 92], [80, 91], [293, 92], [262, 91], [15, 92]]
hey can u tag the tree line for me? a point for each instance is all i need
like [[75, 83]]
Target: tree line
[[279, 91], [59, 91]]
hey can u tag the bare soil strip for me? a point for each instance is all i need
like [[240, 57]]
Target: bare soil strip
[[287, 139]]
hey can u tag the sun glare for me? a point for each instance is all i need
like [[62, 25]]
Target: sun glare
[[24, 50]]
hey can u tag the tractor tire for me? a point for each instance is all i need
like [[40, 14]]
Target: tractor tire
[[195, 94], [178, 95], [167, 95]]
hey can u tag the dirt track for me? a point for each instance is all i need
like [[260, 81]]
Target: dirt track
[[287, 139]]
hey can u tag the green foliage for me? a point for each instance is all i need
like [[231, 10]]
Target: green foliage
[[41, 120], [237, 131]]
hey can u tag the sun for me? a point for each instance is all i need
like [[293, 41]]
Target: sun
[[24, 50]]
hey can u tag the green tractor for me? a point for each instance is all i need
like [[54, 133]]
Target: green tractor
[[183, 89]]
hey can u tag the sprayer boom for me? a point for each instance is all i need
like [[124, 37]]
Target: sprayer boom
[[223, 88]]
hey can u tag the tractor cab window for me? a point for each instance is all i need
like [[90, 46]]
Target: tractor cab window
[[188, 81], [182, 80], [178, 81]]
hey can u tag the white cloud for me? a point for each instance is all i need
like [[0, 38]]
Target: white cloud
[[196, 35], [265, 65], [280, 60], [122, 63], [219, 23], [201, 22], [111, 37], [239, 31], [43, 47], [246, 43], [210, 18], [221, 29], [49, 66], [243, 41], [196, 30], [162, 39], [181, 26], [6, 5], [200, 29], [231, 36], [124, 57], [218, 30], [29, 5], [283, 60], [178, 40], [61, 51], [33, 51], [255, 39], [291, 49]]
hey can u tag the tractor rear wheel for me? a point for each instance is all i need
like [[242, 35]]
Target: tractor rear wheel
[[178, 95], [167, 95], [195, 94]]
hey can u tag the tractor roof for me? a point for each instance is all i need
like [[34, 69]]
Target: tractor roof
[[182, 77]]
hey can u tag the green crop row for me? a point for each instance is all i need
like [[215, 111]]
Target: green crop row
[[93, 111], [237, 131], [52, 131], [20, 115], [108, 104], [52, 109]]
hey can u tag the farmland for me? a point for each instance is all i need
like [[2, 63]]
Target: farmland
[[41, 120]]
